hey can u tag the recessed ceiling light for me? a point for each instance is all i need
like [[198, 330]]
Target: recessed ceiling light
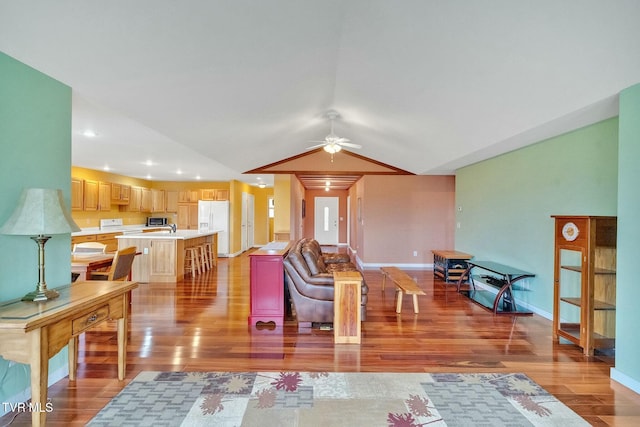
[[106, 168], [148, 176], [149, 162], [179, 172], [198, 177], [261, 185], [89, 133]]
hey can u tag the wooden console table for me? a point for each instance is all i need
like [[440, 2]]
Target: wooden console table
[[32, 333], [267, 296], [503, 278], [347, 301]]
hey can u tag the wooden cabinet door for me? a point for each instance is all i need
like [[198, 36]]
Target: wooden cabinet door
[[104, 196], [77, 194], [145, 200], [208, 194], [222, 195], [135, 199], [91, 200], [171, 201], [188, 216], [157, 200]]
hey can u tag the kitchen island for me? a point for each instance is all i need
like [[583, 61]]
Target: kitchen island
[[161, 256]]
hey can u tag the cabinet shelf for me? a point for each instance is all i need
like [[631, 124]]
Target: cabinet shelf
[[597, 305], [597, 270]]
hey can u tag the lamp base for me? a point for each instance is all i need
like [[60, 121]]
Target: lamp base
[[41, 295]]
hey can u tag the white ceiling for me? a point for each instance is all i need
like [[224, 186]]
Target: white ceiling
[[215, 88]]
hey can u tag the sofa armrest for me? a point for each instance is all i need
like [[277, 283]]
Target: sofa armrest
[[321, 279]]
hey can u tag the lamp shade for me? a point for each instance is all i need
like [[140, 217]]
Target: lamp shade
[[40, 211]]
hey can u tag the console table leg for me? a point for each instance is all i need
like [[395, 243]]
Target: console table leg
[[39, 375]]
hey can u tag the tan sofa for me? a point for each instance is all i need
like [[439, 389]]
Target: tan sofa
[[309, 278]]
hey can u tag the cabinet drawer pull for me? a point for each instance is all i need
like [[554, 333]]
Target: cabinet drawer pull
[[92, 318]]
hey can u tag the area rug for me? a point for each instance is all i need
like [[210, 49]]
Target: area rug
[[268, 399]]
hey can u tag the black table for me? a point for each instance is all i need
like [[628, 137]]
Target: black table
[[503, 278]]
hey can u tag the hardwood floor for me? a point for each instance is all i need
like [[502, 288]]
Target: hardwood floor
[[201, 325]]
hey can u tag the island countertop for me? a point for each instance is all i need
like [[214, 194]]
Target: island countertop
[[166, 235]]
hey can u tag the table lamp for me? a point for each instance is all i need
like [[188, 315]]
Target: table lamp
[[40, 213]]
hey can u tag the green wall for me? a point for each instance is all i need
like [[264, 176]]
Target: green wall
[[35, 136], [627, 368], [504, 204]]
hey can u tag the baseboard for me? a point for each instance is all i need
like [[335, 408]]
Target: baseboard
[[625, 380], [25, 395]]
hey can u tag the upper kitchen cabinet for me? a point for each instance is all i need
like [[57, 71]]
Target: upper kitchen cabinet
[[77, 194], [97, 196], [188, 196], [120, 194], [215, 194], [172, 197], [145, 200], [157, 201]]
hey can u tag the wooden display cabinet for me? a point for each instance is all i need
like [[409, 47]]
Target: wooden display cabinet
[[585, 281]]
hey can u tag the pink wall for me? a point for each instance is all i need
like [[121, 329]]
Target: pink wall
[[400, 215]]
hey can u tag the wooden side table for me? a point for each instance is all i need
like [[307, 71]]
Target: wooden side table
[[32, 333], [347, 317]]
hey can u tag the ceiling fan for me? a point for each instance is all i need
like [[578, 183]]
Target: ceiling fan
[[333, 143]]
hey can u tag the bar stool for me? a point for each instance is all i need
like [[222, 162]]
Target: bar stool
[[204, 258], [191, 261], [208, 249]]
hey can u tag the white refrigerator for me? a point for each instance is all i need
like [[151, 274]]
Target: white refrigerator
[[215, 216]]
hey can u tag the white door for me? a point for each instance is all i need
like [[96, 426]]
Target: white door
[[243, 222], [326, 220], [250, 220]]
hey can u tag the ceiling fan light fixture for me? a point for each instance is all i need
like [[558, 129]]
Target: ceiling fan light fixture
[[332, 148]]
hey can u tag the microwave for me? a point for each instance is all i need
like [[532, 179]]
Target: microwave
[[156, 221]]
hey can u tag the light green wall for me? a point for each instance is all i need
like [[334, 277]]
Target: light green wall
[[627, 313], [507, 201], [35, 136]]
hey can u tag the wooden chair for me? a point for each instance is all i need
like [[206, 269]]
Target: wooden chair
[[89, 248], [120, 268]]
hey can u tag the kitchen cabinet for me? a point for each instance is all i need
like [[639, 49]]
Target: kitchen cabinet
[[222, 195], [208, 194], [145, 200], [188, 216], [120, 194], [171, 201], [188, 196], [97, 196], [157, 200], [108, 239], [212, 194], [77, 194], [135, 199], [585, 281]]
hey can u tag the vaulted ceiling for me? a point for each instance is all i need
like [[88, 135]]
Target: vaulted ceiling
[[213, 89]]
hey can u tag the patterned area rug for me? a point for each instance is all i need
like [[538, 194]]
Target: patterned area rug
[[333, 399]]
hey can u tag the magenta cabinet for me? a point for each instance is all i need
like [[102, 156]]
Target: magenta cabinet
[[267, 284]]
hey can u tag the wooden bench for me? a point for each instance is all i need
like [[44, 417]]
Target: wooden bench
[[404, 284]]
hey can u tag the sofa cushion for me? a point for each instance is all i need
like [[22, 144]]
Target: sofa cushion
[[311, 260]]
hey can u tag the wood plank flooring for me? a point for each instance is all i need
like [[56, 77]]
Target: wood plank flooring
[[201, 325]]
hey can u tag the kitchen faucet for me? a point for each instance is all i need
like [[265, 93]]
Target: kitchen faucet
[[172, 228]]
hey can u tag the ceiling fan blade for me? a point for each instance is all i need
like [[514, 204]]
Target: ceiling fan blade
[[316, 146], [340, 140], [350, 145]]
